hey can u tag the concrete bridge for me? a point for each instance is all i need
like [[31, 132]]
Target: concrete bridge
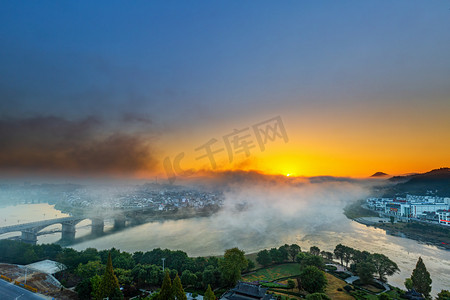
[[30, 231]]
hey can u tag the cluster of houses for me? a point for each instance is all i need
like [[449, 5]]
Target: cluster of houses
[[427, 208], [156, 198]]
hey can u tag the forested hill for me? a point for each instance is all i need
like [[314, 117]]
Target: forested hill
[[435, 182]]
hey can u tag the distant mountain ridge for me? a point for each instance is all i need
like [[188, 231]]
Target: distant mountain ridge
[[435, 182], [379, 174]]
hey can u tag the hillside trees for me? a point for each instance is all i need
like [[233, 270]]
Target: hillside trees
[[383, 266], [109, 284], [166, 292], [209, 295], [313, 280], [421, 279], [177, 288], [232, 265], [293, 250], [314, 250], [263, 258], [365, 271]]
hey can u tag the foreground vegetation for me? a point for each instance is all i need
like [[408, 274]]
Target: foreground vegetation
[[287, 271]]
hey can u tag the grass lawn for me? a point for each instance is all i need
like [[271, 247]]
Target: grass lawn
[[273, 273], [332, 286], [295, 289], [331, 290], [393, 294]]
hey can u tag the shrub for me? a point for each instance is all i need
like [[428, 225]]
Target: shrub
[[318, 296], [273, 285], [348, 288], [339, 290], [341, 275]]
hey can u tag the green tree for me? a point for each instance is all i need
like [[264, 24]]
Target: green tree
[[166, 292], [276, 255], [365, 271], [360, 256], [95, 284], [383, 266], [124, 276], [301, 256], [232, 265], [30, 256], [443, 295], [250, 265], [312, 260], [90, 254], [290, 284], [293, 250], [383, 296], [263, 258], [211, 275], [339, 252], [318, 296], [209, 294], [147, 274], [313, 280], [69, 257], [314, 250], [109, 285], [188, 278], [421, 278], [283, 253], [326, 254], [408, 284], [153, 296], [347, 255], [124, 261], [90, 269], [84, 289], [177, 289]]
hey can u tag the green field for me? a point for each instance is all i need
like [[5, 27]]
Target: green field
[[273, 273]]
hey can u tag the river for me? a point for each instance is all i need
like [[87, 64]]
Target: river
[[212, 235]]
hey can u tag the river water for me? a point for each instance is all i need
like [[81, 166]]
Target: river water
[[212, 235]]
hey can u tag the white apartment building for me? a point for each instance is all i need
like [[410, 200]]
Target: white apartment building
[[420, 208], [444, 217]]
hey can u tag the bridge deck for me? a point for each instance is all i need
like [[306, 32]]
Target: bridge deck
[[32, 225]]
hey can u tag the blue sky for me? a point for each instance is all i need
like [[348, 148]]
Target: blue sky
[[203, 63]]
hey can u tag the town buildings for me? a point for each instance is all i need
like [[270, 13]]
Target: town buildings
[[429, 208]]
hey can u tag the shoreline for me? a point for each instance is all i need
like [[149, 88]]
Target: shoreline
[[428, 234]]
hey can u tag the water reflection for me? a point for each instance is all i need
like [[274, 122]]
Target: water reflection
[[212, 235]]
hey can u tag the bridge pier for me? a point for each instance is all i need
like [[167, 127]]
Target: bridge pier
[[119, 222], [68, 231], [97, 225], [29, 237]]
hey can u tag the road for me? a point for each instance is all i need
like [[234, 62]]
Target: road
[[9, 291]]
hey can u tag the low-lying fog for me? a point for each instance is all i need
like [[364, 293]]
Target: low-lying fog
[[262, 212]]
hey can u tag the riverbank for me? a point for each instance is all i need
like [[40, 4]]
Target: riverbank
[[429, 234]]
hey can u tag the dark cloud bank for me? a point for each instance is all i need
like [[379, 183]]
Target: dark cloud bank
[[85, 146]]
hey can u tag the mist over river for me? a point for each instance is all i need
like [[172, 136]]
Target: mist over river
[[212, 235]]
